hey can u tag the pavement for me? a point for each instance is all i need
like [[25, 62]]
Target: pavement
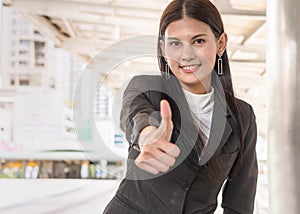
[[64, 196], [55, 196]]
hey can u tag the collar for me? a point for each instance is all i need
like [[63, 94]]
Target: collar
[[201, 103]]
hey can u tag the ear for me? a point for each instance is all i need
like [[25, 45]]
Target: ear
[[222, 43], [162, 47]]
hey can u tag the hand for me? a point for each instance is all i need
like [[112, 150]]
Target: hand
[[158, 154]]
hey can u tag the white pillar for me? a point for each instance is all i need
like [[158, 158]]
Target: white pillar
[[283, 67]]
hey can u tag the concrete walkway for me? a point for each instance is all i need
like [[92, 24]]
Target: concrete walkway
[[55, 196]]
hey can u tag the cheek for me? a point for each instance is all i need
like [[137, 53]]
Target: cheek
[[174, 64], [207, 56], [173, 55]]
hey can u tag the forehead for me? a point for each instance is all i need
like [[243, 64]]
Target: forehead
[[187, 27]]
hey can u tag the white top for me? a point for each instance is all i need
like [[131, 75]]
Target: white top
[[201, 106]]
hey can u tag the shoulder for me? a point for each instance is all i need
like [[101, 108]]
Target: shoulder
[[246, 113], [245, 109], [149, 79], [145, 82]]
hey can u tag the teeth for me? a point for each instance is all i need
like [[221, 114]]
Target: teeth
[[190, 67]]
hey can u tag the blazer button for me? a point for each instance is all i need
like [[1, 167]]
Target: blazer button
[[185, 186]]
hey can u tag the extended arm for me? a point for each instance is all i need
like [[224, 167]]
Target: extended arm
[[157, 153]]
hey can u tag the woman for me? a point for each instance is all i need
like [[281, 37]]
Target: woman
[[188, 134]]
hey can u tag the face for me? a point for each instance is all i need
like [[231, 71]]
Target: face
[[190, 49]]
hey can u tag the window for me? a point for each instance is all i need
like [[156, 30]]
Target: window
[[24, 82], [24, 43], [23, 53], [23, 64], [37, 33], [39, 46]]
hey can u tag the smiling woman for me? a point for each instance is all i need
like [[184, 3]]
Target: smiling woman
[[190, 48], [188, 135]]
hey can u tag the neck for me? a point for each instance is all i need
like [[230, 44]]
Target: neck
[[200, 88]]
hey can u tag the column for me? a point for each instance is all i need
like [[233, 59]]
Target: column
[[283, 67]]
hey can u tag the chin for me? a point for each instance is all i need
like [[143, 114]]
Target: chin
[[191, 82]]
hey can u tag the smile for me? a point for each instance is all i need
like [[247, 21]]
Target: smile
[[190, 68]]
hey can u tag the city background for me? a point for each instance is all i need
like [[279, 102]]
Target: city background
[[45, 47]]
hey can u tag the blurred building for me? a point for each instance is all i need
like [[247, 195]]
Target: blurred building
[[34, 75], [37, 136], [26, 54]]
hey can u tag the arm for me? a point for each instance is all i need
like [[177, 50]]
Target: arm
[[136, 109], [239, 191], [156, 152]]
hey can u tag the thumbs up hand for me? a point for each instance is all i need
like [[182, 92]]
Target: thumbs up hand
[[158, 154]]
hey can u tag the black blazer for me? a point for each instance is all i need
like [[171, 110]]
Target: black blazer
[[192, 185]]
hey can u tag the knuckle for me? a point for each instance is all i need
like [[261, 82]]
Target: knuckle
[[175, 149], [147, 150], [155, 172], [138, 162], [165, 168], [172, 162], [142, 158]]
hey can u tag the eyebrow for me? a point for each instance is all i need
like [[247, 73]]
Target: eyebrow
[[194, 37]]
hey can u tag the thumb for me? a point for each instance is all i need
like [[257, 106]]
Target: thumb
[[166, 125]]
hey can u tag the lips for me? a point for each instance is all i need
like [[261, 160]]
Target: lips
[[190, 68]]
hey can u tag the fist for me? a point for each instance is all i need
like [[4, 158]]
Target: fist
[[158, 154]]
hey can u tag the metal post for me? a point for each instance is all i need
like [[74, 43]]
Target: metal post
[[283, 65]]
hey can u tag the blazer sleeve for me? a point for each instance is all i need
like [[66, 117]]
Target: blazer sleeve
[[239, 191], [138, 110]]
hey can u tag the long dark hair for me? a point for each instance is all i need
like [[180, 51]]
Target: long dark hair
[[203, 11]]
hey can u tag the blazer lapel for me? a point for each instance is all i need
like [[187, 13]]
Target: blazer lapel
[[185, 131], [221, 128]]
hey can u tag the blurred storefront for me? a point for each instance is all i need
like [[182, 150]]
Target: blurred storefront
[[61, 169]]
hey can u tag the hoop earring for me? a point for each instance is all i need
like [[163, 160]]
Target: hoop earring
[[167, 71], [220, 65]]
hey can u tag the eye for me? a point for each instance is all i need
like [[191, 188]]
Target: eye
[[174, 43], [199, 41]]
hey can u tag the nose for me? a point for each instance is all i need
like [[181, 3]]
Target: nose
[[188, 53]]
